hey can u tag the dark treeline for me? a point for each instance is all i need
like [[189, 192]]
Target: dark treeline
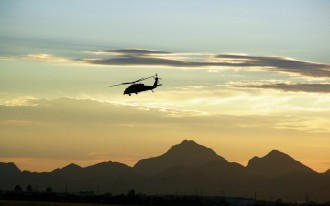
[[133, 198]]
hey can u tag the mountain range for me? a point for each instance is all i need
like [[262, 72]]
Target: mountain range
[[187, 168]]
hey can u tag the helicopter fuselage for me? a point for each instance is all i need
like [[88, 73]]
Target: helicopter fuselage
[[137, 88]]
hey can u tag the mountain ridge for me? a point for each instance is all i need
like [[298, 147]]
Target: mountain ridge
[[73, 166], [9, 169], [187, 153], [327, 172], [185, 167], [276, 163]]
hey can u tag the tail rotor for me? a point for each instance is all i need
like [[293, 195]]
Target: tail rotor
[[156, 76]]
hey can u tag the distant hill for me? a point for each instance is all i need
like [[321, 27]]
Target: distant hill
[[187, 168], [187, 153], [8, 170], [73, 171], [70, 171], [276, 163], [327, 172]]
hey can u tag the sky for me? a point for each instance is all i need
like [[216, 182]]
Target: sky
[[241, 77]]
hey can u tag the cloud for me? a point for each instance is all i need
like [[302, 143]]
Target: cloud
[[149, 61], [128, 52], [164, 58], [20, 101], [67, 129], [87, 111], [289, 87], [82, 110], [46, 58], [143, 57], [282, 64]]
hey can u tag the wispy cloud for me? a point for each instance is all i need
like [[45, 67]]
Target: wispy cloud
[[126, 52], [81, 111], [282, 64], [101, 126], [69, 103], [164, 58], [46, 58], [131, 57], [143, 57], [20, 101], [289, 87]]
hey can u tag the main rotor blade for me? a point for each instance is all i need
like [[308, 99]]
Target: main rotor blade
[[115, 85], [144, 78], [120, 84]]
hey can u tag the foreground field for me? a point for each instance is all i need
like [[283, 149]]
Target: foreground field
[[29, 203]]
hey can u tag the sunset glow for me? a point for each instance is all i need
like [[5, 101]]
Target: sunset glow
[[242, 83]]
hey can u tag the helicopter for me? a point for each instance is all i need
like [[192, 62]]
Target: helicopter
[[137, 88]]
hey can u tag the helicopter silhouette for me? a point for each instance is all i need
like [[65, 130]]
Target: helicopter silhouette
[[137, 88]]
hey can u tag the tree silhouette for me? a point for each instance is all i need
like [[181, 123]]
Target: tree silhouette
[[18, 188], [131, 193], [49, 189], [29, 188]]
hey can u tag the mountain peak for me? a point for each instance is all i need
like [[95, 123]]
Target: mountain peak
[[187, 153], [276, 155], [9, 169], [72, 166], [275, 152], [188, 146], [276, 163], [188, 142], [69, 169], [8, 164]]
